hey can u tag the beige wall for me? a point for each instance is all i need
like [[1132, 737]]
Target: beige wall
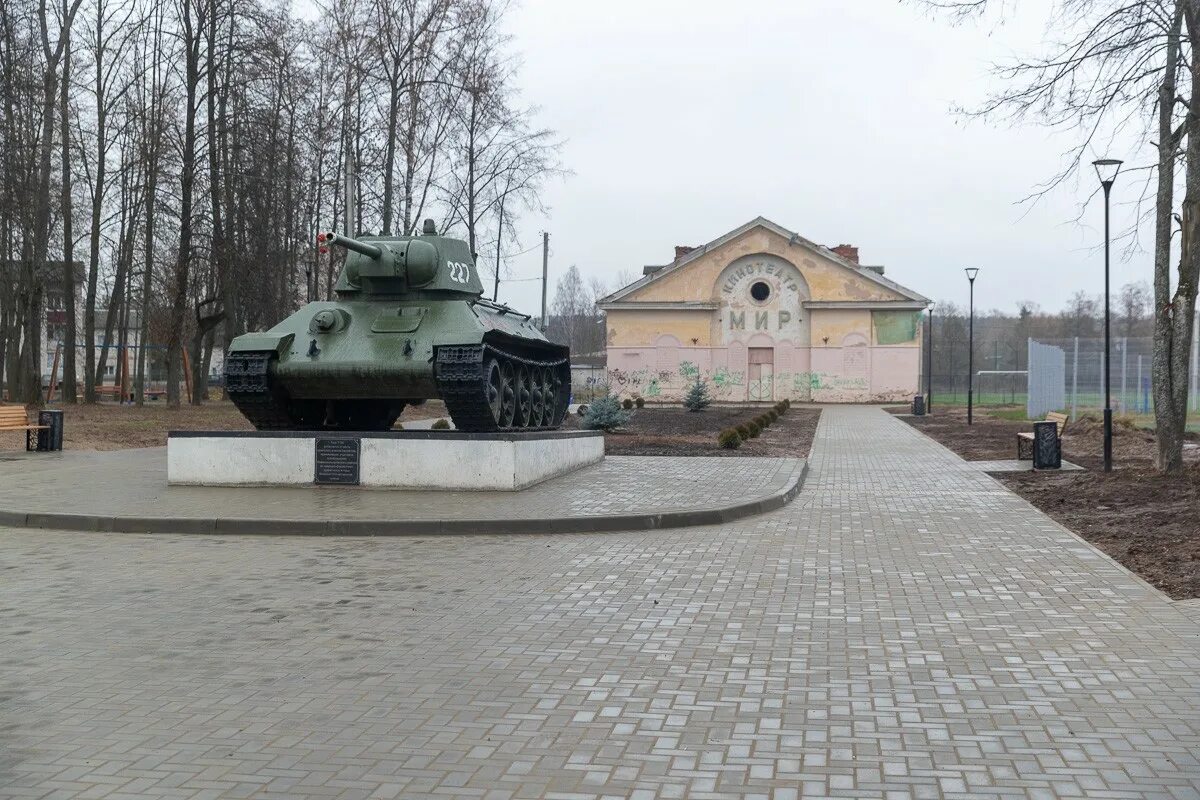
[[630, 328]]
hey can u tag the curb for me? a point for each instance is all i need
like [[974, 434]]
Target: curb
[[392, 527]]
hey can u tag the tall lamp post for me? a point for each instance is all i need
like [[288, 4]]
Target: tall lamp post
[[929, 373], [1106, 170], [971, 273]]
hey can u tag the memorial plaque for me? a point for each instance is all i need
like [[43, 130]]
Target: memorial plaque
[[337, 461]]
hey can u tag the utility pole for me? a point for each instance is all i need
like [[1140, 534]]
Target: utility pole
[[545, 276], [349, 192]]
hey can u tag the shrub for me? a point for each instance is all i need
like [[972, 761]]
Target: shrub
[[773, 415], [398, 427], [743, 431], [755, 429], [441, 425], [627, 404], [697, 398], [605, 414], [763, 421], [640, 402], [729, 439], [582, 410], [787, 402]]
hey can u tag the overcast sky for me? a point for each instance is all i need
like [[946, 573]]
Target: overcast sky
[[834, 118]]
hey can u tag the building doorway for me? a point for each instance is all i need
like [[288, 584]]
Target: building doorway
[[761, 377]]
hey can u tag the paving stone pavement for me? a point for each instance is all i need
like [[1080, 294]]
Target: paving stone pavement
[[907, 628], [133, 483]]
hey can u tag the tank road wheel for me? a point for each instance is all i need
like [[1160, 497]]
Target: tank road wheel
[[509, 406], [495, 391], [523, 416], [537, 404], [501, 394], [554, 387], [547, 396]]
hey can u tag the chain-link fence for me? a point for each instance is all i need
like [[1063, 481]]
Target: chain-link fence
[[1062, 375], [1068, 375]]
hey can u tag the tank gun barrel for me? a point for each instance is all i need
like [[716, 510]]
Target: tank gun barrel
[[368, 250]]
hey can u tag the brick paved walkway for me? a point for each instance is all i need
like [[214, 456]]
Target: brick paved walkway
[[907, 628], [132, 484]]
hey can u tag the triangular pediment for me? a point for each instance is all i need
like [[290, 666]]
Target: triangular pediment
[[796, 247]]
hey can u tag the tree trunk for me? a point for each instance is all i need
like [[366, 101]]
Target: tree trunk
[[69, 323], [187, 184], [1172, 320]]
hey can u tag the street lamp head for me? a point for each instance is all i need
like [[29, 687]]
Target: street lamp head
[[971, 273], [1107, 169]]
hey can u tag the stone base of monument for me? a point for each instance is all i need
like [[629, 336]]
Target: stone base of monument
[[394, 459]]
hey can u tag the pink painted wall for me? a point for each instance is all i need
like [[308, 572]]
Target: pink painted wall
[[857, 373]]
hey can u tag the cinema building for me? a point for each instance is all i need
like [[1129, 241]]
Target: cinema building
[[764, 314]]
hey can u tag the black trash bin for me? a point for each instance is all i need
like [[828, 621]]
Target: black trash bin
[[918, 406], [1047, 448], [50, 437]]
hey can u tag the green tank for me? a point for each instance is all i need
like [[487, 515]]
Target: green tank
[[409, 324]]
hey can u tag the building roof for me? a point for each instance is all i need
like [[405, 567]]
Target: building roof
[[794, 239]]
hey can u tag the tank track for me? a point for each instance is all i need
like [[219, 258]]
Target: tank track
[[461, 382], [248, 385]]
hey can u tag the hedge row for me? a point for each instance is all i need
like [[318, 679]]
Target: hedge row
[[732, 438]]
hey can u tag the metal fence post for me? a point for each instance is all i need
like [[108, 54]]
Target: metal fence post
[[1075, 382], [1029, 384], [1124, 354], [1138, 405]]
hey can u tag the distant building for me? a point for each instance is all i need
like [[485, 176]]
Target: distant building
[[765, 314]]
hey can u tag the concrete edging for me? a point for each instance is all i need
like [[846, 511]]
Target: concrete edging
[[601, 523]]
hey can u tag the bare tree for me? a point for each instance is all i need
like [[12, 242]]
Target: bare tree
[[1133, 301], [1115, 74]]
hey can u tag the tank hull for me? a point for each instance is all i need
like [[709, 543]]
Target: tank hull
[[492, 366]]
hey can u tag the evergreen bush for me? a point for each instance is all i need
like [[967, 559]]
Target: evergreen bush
[[729, 439], [640, 402], [697, 398], [605, 414], [627, 404], [755, 428], [773, 415], [743, 431], [441, 425]]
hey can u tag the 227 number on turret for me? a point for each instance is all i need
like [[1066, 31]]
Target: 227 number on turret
[[459, 272]]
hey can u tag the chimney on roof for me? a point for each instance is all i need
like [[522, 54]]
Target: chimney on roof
[[682, 250], [847, 251]]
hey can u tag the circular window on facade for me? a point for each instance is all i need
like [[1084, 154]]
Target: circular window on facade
[[760, 291]]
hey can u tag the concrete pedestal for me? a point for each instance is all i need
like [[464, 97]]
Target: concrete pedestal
[[395, 459]]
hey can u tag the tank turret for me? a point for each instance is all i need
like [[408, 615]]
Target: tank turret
[[409, 323]]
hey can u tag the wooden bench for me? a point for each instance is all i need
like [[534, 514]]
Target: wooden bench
[[16, 418], [1025, 439]]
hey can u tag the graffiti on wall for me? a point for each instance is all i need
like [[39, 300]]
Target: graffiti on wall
[[723, 383], [726, 384]]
